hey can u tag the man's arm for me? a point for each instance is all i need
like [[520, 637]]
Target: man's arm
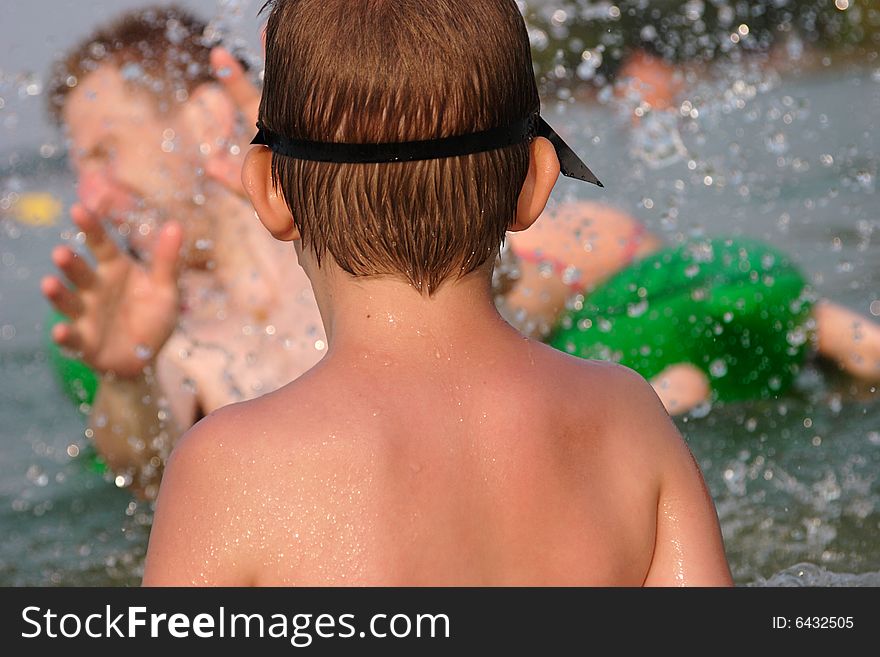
[[135, 425], [117, 310]]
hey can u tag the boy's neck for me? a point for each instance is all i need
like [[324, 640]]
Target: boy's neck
[[386, 315]]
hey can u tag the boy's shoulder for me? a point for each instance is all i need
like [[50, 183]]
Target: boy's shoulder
[[240, 428], [240, 440], [213, 450], [634, 422], [618, 406], [609, 385]]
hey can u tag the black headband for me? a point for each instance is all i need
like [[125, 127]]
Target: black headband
[[477, 142]]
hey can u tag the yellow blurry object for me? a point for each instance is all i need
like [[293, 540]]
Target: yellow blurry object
[[37, 209]]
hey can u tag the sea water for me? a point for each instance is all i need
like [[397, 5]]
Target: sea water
[[796, 480]]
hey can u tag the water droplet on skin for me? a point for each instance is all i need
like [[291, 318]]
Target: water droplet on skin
[[571, 275], [143, 352], [545, 269]]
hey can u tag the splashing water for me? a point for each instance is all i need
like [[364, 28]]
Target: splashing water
[[777, 141]]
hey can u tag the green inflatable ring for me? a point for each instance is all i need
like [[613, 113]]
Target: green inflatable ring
[[78, 382], [76, 379], [736, 308]]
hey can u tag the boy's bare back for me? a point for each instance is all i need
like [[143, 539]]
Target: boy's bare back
[[501, 462], [433, 444]]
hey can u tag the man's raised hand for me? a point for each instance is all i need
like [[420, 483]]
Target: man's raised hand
[[246, 96], [121, 312]]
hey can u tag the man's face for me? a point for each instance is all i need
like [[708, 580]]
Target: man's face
[[135, 165]]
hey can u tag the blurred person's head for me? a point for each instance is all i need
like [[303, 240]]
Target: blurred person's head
[[378, 71], [143, 115], [646, 77]]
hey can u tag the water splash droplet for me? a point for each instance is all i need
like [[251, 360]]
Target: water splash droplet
[[637, 309], [718, 368]]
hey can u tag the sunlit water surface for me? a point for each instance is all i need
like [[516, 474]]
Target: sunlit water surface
[[795, 480]]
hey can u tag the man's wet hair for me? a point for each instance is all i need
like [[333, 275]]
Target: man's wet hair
[[162, 50], [392, 71]]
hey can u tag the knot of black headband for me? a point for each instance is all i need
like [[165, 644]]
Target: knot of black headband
[[430, 149]]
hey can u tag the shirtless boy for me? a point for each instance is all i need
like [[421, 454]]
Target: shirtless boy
[[433, 444], [206, 308]]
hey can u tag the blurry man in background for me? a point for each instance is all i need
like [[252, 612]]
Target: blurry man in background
[[180, 321]]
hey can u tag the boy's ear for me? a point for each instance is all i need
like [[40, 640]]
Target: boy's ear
[[542, 175], [256, 178]]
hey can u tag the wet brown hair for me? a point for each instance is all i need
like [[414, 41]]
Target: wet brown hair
[[163, 50], [390, 71]]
